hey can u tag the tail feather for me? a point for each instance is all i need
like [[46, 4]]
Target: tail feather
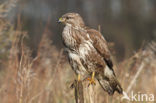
[[109, 82], [119, 89]]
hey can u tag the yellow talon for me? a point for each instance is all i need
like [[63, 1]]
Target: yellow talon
[[91, 80]]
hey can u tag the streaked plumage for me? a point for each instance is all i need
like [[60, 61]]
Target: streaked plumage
[[88, 52]]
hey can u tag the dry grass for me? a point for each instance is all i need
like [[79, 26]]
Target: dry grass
[[47, 77]]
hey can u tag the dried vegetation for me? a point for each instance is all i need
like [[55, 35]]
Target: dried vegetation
[[47, 77]]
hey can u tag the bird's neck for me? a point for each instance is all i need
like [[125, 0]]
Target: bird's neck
[[78, 27]]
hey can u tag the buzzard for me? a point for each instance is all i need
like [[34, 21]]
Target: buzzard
[[88, 53]]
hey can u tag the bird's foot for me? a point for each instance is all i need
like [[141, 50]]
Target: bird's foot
[[91, 81], [73, 85]]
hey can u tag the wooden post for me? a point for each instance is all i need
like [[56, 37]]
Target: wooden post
[[84, 93], [89, 93], [79, 96]]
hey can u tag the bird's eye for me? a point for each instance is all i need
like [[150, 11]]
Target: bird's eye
[[68, 17]]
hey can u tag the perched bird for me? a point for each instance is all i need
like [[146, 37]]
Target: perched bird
[[88, 53]]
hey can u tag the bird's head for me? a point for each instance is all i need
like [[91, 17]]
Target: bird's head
[[73, 19]]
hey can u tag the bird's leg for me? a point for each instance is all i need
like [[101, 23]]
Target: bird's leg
[[91, 80], [73, 85], [78, 78]]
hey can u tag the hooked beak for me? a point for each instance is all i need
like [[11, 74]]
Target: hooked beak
[[61, 20]]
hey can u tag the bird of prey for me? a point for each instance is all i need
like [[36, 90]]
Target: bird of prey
[[88, 53]]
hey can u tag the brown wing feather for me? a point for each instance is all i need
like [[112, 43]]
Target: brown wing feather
[[100, 45]]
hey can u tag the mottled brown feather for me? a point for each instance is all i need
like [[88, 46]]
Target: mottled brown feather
[[101, 45]]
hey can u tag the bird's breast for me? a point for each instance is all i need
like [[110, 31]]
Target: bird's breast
[[68, 38], [76, 41], [85, 49]]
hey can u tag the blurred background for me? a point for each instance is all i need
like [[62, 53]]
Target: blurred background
[[34, 67], [126, 23]]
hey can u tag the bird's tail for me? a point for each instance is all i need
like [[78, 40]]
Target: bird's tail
[[119, 88], [110, 86]]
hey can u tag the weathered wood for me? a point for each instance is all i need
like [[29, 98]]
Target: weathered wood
[[83, 92], [89, 93], [79, 97]]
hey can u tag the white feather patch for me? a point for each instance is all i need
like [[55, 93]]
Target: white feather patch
[[85, 48], [108, 71], [78, 63]]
